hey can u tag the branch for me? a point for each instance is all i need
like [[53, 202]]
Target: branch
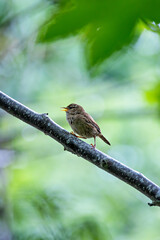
[[81, 148]]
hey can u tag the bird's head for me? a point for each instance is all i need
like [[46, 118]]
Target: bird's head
[[73, 109]]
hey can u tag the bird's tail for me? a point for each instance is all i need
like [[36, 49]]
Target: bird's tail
[[104, 139]]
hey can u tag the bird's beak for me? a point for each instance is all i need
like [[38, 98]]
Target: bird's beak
[[65, 109]]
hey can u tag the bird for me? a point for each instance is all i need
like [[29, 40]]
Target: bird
[[82, 123]]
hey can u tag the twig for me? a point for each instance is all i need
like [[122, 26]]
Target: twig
[[82, 149]]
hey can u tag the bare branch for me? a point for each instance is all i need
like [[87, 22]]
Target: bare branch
[[81, 148]]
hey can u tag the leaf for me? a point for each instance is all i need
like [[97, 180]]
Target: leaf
[[150, 10], [67, 21], [106, 25], [111, 33], [110, 38]]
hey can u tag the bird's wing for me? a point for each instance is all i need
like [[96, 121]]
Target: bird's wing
[[90, 121]]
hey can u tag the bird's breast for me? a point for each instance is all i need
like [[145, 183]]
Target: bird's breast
[[81, 127], [70, 119]]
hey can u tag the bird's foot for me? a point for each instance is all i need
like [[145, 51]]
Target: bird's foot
[[81, 137], [93, 146], [73, 134], [77, 135]]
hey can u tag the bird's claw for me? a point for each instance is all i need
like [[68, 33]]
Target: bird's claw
[[77, 135], [73, 134], [81, 137], [93, 146]]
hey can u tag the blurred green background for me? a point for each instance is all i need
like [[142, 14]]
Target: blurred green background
[[46, 193]]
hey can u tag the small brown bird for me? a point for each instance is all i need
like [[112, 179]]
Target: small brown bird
[[82, 123]]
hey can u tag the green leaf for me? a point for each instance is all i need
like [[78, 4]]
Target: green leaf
[[112, 33], [109, 38], [151, 10], [68, 21], [106, 25]]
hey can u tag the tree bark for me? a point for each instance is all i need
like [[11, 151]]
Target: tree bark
[[81, 148]]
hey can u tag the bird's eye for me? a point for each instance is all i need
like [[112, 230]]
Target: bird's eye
[[71, 107]]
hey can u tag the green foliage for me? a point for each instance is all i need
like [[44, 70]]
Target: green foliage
[[153, 94], [45, 203], [40, 214], [4, 10], [150, 10], [47, 193], [42, 209], [89, 228], [106, 25]]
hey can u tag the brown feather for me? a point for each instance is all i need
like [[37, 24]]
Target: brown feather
[[82, 123], [104, 139], [91, 121]]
